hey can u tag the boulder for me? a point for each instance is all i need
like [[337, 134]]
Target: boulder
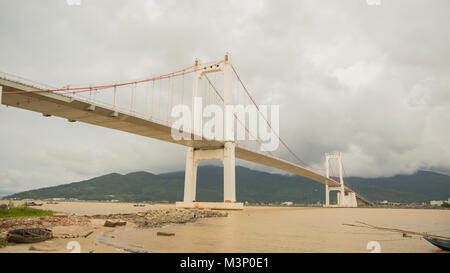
[[3, 239], [114, 223]]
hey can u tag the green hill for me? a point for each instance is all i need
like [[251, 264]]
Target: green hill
[[252, 186]]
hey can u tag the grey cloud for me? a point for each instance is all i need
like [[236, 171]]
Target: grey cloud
[[370, 81]]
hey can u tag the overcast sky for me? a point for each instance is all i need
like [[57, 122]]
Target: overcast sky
[[371, 81]]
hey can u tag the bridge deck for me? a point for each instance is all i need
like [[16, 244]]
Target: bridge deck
[[78, 110]]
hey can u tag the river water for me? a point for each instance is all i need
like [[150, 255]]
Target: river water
[[271, 229]]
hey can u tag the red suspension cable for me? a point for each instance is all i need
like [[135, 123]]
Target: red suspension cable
[[268, 123], [217, 92]]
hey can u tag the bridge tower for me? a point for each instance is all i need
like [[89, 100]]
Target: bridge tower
[[226, 153], [343, 200]]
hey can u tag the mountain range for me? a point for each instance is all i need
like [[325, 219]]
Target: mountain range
[[251, 185]]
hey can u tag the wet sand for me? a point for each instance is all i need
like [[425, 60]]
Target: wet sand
[[255, 229]]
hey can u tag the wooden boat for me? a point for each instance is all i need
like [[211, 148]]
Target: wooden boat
[[31, 235], [33, 204], [441, 243]]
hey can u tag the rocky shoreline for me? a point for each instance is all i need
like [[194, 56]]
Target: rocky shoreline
[[161, 217], [152, 218], [8, 224]]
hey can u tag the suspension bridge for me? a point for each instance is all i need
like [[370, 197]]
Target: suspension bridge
[[143, 107]]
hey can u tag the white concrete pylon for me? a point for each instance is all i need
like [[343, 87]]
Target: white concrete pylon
[[227, 153], [190, 177], [341, 175], [229, 175], [197, 120], [343, 200], [327, 190], [1, 94]]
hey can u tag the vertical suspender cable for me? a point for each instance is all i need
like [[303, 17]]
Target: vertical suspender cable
[[159, 99], [168, 98], [182, 91], [153, 99], [147, 110], [115, 95]]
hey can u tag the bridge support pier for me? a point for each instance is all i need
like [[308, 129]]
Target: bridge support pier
[[343, 200], [193, 156], [190, 176], [226, 153]]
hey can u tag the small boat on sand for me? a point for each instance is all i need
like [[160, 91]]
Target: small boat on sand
[[31, 235], [441, 243], [33, 204]]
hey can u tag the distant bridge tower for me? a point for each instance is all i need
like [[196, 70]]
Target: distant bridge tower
[[343, 200], [226, 153]]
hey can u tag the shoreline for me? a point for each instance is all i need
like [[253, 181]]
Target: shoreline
[[75, 226]]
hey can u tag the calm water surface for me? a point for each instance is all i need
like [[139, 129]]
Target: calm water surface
[[262, 229]]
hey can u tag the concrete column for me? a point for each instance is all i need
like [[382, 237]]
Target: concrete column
[[228, 100], [197, 115], [327, 174], [1, 94], [190, 178], [352, 200], [229, 175], [341, 181], [194, 181], [229, 164]]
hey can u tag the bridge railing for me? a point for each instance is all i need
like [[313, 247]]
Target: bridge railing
[[21, 80]]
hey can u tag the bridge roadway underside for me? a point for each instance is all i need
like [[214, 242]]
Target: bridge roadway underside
[[52, 104]]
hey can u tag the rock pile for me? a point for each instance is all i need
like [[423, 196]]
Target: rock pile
[[3, 239], [42, 222], [160, 217]]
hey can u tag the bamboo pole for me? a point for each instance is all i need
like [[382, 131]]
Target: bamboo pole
[[424, 234]]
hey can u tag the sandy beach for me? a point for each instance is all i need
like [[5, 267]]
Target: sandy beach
[[96, 213], [255, 229]]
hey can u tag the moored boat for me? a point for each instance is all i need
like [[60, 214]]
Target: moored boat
[[441, 243]]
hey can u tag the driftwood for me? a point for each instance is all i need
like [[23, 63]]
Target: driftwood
[[114, 224], [160, 233], [34, 248], [424, 234]]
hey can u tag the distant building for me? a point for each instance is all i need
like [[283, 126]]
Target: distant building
[[287, 203], [436, 203], [388, 203]]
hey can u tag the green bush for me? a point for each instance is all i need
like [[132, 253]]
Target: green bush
[[23, 212]]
